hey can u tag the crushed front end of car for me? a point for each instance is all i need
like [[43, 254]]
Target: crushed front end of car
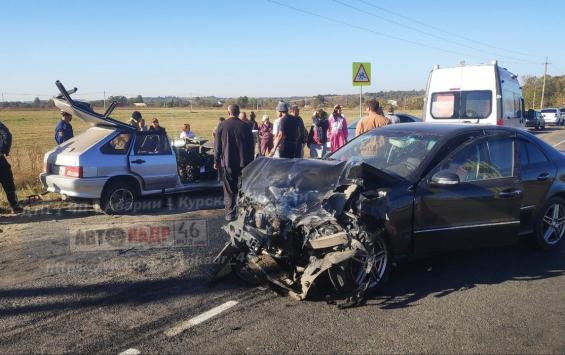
[[302, 223]]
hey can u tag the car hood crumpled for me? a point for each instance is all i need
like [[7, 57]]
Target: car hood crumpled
[[294, 187]]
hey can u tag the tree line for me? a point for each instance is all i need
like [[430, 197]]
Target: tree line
[[410, 100], [554, 95]]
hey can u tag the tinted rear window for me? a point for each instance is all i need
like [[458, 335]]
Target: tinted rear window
[[462, 104]]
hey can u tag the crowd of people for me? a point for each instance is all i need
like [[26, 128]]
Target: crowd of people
[[286, 137], [234, 140]]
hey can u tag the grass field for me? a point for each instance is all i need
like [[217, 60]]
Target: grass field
[[33, 135]]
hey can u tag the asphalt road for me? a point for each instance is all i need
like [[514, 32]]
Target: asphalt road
[[58, 295]]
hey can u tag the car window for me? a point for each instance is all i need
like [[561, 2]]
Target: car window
[[462, 104], [523, 152], [152, 144], [501, 153], [483, 160], [119, 145], [535, 154]]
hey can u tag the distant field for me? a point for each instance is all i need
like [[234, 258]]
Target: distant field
[[33, 132]]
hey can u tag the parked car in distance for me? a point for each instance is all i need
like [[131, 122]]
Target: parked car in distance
[[113, 165], [394, 119], [562, 109], [480, 94], [534, 120], [552, 116]]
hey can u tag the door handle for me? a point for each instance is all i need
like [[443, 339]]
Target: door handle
[[511, 193], [138, 161], [543, 176]]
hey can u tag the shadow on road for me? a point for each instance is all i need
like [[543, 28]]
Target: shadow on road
[[456, 272], [110, 294]]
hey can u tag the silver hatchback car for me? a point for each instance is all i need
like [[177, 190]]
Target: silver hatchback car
[[113, 165]]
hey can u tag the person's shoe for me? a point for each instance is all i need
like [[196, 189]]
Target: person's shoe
[[17, 210]]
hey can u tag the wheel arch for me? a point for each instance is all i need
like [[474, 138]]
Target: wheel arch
[[126, 179]]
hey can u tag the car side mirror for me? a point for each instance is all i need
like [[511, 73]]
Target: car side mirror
[[442, 178]]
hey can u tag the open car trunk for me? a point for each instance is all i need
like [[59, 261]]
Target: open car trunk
[[84, 111]]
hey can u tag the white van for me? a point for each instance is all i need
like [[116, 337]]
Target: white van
[[485, 94]]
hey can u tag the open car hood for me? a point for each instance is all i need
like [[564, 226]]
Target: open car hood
[[297, 186], [84, 111]]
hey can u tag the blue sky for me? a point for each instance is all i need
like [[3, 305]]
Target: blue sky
[[260, 48]]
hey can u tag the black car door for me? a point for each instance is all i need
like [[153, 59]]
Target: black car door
[[482, 207], [537, 173]]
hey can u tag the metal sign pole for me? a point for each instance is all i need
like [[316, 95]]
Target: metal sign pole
[[361, 102]]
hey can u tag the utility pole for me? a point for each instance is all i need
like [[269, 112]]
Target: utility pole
[[104, 100], [534, 99], [543, 87], [190, 102]]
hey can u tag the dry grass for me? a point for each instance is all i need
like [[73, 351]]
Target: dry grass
[[33, 133]]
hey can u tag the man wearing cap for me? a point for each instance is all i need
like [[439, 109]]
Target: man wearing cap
[[289, 134], [64, 129], [373, 118], [6, 176], [234, 149]]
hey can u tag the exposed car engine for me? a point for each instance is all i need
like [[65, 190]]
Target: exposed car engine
[[195, 160], [307, 222]]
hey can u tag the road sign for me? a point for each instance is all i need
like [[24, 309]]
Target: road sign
[[361, 74]]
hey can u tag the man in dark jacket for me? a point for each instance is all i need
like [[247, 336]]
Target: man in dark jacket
[[64, 129], [289, 135], [234, 149], [6, 176]]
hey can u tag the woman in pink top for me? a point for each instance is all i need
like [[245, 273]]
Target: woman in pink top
[[337, 132]]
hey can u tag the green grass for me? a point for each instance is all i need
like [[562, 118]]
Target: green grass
[[33, 134]]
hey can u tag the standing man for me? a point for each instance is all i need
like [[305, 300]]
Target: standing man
[[288, 134], [64, 129], [6, 176], [373, 119], [295, 111], [156, 127], [235, 149]]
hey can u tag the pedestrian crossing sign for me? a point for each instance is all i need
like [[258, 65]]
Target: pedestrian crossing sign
[[361, 74]]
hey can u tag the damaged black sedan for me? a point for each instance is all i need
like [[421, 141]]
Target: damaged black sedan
[[392, 194]]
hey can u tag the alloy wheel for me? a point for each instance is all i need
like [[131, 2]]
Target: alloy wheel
[[553, 224], [121, 200]]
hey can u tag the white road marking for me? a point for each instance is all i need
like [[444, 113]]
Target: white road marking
[[131, 351], [181, 327], [563, 141]]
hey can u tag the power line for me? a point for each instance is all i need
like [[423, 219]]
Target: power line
[[520, 61], [445, 31], [333, 20]]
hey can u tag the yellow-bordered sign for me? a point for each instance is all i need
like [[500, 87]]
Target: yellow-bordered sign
[[361, 74]]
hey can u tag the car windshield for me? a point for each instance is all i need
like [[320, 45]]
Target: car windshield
[[396, 152], [549, 110], [461, 104]]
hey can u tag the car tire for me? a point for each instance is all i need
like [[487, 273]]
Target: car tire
[[345, 276], [118, 198], [549, 228]]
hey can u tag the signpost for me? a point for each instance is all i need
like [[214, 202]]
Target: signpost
[[361, 77]]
